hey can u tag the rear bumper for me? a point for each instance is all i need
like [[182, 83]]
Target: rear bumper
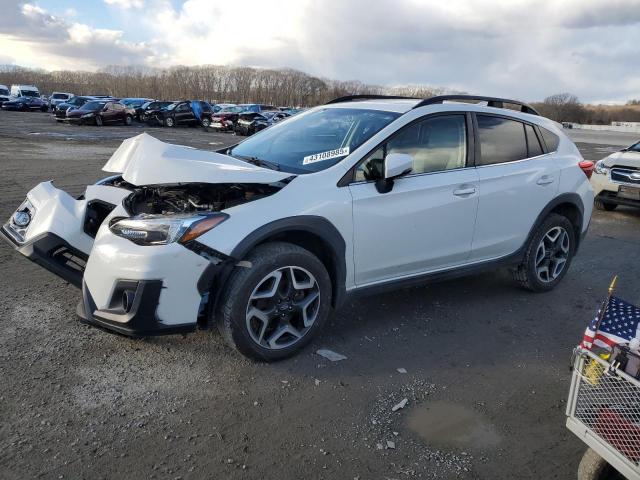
[[52, 253]]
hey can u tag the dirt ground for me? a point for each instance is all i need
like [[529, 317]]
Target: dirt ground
[[486, 363]]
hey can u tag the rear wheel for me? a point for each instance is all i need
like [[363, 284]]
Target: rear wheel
[[601, 205], [128, 120], [206, 122], [547, 255], [274, 308]]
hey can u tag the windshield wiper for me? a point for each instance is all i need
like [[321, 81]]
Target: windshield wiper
[[260, 162]]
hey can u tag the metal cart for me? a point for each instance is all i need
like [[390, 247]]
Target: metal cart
[[604, 412]]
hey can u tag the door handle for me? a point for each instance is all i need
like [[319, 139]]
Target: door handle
[[545, 180], [464, 191]]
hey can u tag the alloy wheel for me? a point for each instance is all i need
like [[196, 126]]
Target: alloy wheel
[[283, 307], [552, 254]]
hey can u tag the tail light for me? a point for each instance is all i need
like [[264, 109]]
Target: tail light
[[587, 167]]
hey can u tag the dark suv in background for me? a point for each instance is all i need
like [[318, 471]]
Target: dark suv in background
[[149, 109], [190, 113]]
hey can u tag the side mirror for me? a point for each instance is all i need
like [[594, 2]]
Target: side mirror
[[395, 165]]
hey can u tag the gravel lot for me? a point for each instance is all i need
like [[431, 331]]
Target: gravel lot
[[486, 363]]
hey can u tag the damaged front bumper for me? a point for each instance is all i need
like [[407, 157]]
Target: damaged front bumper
[[48, 229]]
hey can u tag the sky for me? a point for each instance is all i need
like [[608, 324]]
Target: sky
[[525, 49]]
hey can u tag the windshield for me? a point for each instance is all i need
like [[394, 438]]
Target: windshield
[[93, 105], [29, 93], [314, 141], [59, 96], [172, 106], [635, 147], [4, 91]]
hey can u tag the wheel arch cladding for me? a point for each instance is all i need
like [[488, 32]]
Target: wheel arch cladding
[[313, 233], [568, 205]]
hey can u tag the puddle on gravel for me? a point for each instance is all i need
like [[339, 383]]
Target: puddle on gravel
[[443, 425]]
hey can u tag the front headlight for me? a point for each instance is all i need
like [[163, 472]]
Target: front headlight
[[601, 168], [164, 229], [87, 115]]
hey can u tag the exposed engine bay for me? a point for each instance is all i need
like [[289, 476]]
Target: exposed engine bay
[[195, 197]]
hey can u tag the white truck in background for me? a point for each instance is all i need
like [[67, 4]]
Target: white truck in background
[[18, 91]]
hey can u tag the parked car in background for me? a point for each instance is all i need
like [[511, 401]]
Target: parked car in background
[[225, 120], [219, 106], [100, 112], [258, 107], [26, 104], [190, 112], [57, 98], [151, 108], [250, 123], [4, 94], [75, 102], [616, 179], [24, 91], [134, 105]]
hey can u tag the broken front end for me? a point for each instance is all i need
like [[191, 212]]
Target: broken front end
[[131, 241]]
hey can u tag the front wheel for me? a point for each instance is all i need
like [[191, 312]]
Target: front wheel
[[128, 120], [169, 122], [548, 254], [274, 308], [99, 121]]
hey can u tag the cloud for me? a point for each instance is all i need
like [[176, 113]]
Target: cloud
[[36, 38], [526, 49], [126, 4]]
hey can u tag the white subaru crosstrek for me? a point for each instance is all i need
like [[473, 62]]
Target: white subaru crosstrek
[[264, 238]]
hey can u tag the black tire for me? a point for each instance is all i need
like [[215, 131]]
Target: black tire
[[128, 120], [594, 467], [526, 273], [169, 122], [206, 122], [606, 206], [99, 121], [232, 318]]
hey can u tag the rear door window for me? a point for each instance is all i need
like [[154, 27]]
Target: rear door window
[[501, 140]]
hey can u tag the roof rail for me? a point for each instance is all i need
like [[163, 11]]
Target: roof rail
[[491, 102], [351, 98]]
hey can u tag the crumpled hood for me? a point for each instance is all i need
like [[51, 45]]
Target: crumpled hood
[[145, 160], [623, 159]]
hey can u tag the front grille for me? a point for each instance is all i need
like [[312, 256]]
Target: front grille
[[626, 175]]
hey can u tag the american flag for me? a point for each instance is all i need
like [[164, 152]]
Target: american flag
[[619, 325]]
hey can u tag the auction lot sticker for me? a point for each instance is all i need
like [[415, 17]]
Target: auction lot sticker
[[319, 157]]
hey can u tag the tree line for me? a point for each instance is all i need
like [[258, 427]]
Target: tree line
[[565, 107], [281, 87], [214, 83]]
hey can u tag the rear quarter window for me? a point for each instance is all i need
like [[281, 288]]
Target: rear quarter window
[[550, 139]]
